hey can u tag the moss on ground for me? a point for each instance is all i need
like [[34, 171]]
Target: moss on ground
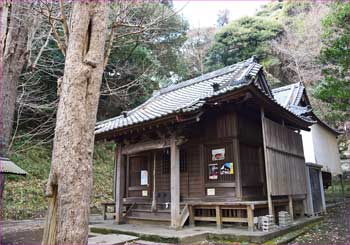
[[24, 196]]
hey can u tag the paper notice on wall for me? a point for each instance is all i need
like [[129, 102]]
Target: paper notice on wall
[[210, 192], [144, 177], [144, 193], [227, 168], [213, 171], [218, 154]]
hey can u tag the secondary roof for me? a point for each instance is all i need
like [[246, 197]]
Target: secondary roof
[[290, 97]]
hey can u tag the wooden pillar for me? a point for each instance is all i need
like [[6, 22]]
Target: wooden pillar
[[322, 192], [175, 183], [237, 166], [309, 204], [236, 159], [127, 176], [191, 215], [218, 217], [261, 170], [250, 217], [115, 174], [119, 185], [290, 204], [202, 168], [270, 204], [154, 201], [268, 184]]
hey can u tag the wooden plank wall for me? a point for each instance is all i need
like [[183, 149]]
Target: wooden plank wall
[[195, 188], [252, 165], [285, 165], [190, 180]]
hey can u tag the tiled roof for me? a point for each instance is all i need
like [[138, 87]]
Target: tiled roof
[[186, 96], [289, 97], [8, 167]]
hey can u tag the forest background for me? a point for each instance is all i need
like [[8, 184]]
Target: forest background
[[295, 42]]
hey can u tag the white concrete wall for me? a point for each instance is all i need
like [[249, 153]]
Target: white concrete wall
[[320, 147], [308, 146], [326, 150]]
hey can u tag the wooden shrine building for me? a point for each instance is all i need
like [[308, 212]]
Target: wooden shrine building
[[216, 148]]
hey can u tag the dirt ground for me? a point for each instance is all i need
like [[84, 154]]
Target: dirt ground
[[335, 229], [21, 231]]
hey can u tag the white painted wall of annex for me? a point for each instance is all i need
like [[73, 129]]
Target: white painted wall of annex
[[320, 147], [308, 146], [326, 149]]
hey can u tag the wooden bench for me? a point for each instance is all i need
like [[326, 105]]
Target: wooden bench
[[105, 206]]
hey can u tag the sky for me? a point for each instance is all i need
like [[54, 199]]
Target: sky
[[204, 13]]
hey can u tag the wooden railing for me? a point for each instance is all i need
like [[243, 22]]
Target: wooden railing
[[129, 209], [184, 215], [220, 213]]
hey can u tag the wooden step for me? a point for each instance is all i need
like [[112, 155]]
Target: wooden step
[[150, 211], [149, 220], [147, 214]]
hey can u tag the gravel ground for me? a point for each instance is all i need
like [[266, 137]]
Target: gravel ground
[[335, 229], [26, 231]]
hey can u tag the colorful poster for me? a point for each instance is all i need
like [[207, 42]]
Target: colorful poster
[[144, 177], [227, 168], [213, 171], [218, 154]]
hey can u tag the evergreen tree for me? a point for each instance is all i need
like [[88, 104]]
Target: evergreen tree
[[335, 55], [240, 40]]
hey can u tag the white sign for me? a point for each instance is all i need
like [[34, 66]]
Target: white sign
[[210, 192], [144, 177], [144, 193]]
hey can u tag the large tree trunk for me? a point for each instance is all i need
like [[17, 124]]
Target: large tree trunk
[[71, 170], [15, 17]]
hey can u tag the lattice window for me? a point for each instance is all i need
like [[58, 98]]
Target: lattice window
[[166, 161]]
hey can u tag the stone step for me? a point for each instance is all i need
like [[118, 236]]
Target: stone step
[[111, 239], [143, 242]]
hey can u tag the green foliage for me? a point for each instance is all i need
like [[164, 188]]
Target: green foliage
[[293, 8], [141, 61], [24, 196], [240, 40], [334, 89], [270, 9]]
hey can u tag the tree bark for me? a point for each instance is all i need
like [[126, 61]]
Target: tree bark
[[15, 17], [71, 169]]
